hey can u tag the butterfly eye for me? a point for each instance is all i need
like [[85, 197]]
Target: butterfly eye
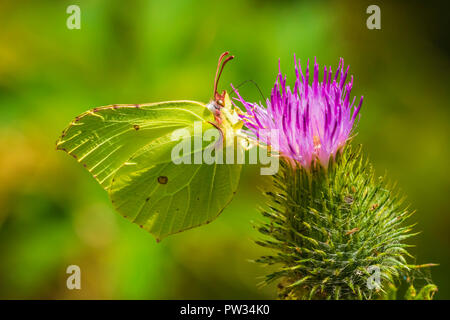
[[220, 102], [214, 107]]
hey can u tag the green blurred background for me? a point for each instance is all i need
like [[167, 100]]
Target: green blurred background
[[52, 212]]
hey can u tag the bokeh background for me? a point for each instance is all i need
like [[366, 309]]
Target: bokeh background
[[52, 212]]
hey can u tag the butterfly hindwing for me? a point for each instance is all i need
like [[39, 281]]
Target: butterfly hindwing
[[168, 198]]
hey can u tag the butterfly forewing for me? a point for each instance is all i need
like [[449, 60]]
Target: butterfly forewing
[[104, 138], [127, 148]]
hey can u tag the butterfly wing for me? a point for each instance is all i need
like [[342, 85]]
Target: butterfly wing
[[166, 198], [127, 148]]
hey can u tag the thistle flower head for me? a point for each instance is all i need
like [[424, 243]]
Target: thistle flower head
[[313, 121]]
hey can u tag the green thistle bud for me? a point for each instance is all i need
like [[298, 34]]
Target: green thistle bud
[[337, 232]]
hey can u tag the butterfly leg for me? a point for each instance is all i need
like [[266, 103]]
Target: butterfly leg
[[220, 141]]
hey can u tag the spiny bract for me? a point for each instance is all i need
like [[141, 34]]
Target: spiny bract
[[332, 228]]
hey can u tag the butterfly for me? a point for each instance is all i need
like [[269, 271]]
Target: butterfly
[[128, 150]]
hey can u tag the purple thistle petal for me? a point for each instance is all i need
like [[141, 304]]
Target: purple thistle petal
[[355, 113], [312, 125]]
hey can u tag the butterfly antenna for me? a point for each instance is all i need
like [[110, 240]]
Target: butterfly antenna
[[220, 66], [256, 85]]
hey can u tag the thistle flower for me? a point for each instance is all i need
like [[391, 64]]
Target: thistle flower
[[328, 227], [313, 121]]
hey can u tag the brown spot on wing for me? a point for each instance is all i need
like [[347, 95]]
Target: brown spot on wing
[[163, 180]]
